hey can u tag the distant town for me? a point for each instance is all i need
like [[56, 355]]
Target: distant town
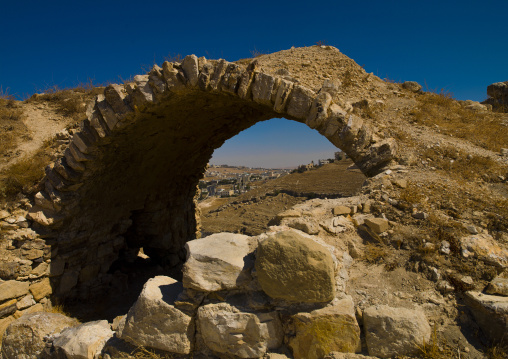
[[230, 181]]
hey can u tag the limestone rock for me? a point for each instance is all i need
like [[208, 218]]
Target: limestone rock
[[24, 336], [153, 321], [341, 211], [394, 331], [295, 268], [84, 341], [13, 289], [378, 225], [485, 248], [225, 329], [490, 312], [217, 262], [322, 331], [499, 285]]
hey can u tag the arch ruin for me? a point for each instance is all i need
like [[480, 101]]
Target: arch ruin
[[129, 177]]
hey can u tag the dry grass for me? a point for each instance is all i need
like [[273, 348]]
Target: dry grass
[[467, 167], [436, 348], [23, 175], [485, 129], [12, 128], [70, 102]]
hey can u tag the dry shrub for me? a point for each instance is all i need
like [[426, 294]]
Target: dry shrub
[[375, 253], [485, 129], [144, 353], [412, 194]]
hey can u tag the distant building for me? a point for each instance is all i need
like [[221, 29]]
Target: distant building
[[323, 162]]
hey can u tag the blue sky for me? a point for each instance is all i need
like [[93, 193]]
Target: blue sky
[[458, 46]]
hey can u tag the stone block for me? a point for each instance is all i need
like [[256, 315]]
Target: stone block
[[190, 67], [393, 332], [262, 88], [41, 289], [217, 262], [25, 302], [13, 289], [295, 268], [231, 78], [333, 328], [153, 321], [8, 308], [341, 211], [9, 270], [220, 69], [282, 96], [227, 330], [377, 225], [300, 101], [318, 113]]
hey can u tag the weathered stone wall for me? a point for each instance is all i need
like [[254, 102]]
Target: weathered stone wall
[[128, 178]]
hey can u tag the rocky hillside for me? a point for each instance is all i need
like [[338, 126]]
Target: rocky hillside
[[414, 264]]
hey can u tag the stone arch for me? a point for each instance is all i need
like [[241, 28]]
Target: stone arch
[[129, 177]]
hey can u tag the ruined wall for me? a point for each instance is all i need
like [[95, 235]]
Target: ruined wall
[[128, 179]]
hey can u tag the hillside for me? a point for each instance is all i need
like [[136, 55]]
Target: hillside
[[251, 212]]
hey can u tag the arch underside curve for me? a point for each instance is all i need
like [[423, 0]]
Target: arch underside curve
[[129, 176]]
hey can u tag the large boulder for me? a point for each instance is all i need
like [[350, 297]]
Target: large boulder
[[153, 321], [225, 329], [334, 328], [293, 267], [24, 337], [490, 312], [217, 262], [394, 331], [84, 341]]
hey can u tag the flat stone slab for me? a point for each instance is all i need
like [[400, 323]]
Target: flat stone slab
[[490, 312]]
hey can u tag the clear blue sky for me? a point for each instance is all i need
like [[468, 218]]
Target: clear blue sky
[[461, 46]]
